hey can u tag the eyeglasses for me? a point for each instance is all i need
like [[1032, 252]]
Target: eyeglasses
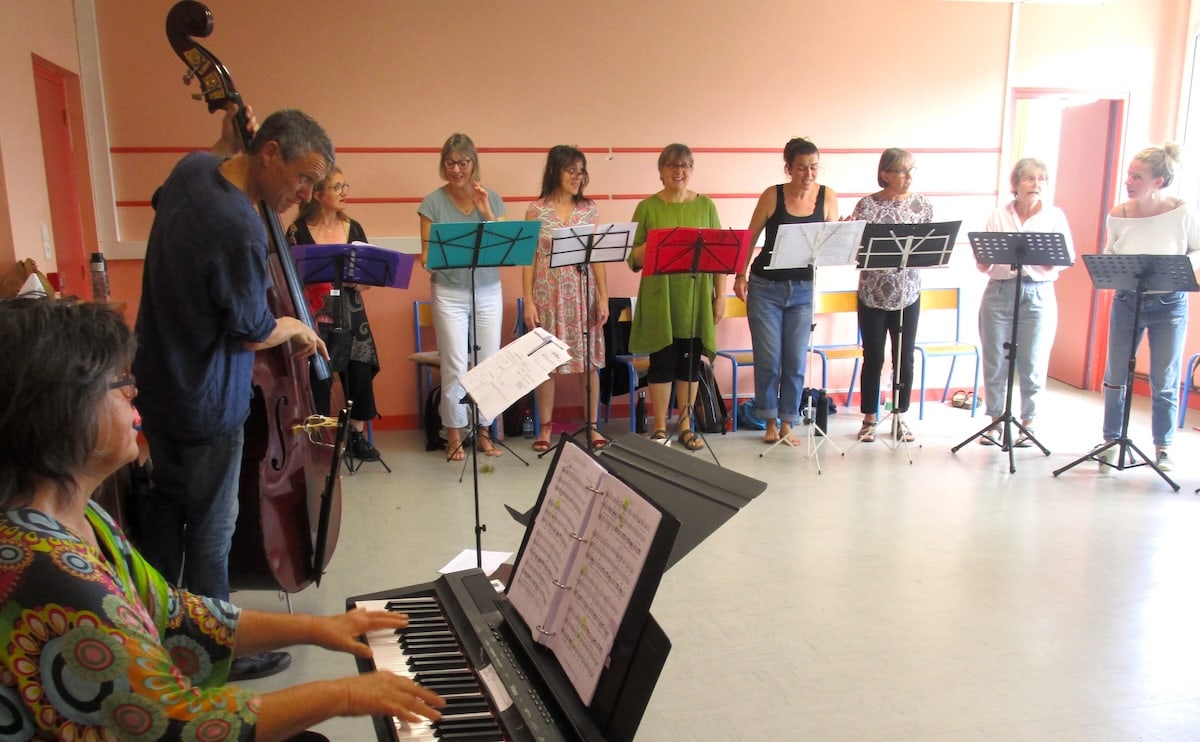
[[461, 164], [573, 171], [126, 383], [339, 187], [902, 172], [679, 166]]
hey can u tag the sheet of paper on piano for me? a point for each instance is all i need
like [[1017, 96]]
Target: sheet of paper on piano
[[514, 371], [578, 570], [466, 560]]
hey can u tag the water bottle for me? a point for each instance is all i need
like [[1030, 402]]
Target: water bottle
[[100, 292], [527, 425], [640, 413]]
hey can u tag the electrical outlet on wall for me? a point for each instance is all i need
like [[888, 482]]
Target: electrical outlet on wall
[[47, 242]]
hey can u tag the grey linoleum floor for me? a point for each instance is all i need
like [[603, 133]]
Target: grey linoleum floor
[[945, 599]]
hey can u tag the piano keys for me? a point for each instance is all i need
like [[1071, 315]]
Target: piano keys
[[462, 643]]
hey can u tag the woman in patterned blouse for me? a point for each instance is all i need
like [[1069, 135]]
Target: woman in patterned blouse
[[93, 642], [889, 301]]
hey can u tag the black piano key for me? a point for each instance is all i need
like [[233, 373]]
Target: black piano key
[[421, 665], [484, 736]]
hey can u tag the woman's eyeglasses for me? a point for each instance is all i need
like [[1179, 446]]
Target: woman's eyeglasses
[[126, 383], [461, 164], [339, 187]]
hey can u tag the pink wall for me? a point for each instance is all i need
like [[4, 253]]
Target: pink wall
[[390, 79]]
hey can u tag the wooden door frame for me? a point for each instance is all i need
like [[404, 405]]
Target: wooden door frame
[[1097, 340]]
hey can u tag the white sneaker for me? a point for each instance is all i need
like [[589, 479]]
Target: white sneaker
[[1106, 460], [1164, 461]]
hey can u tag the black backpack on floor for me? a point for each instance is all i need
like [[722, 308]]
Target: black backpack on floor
[[709, 413], [433, 420]]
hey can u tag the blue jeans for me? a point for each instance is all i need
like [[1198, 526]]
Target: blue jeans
[[780, 318], [193, 510], [1038, 321], [1164, 318]]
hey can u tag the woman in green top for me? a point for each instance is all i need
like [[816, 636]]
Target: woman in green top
[[676, 315]]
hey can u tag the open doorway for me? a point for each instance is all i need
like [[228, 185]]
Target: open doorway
[[64, 151], [1078, 135]]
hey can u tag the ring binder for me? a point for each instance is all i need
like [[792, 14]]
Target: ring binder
[[577, 537], [559, 584], [547, 633]]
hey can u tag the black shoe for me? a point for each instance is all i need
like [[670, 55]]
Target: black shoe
[[361, 448], [254, 666]]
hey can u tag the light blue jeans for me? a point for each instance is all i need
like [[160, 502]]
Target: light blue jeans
[[1164, 318], [780, 318], [452, 322], [1037, 322], [193, 510]]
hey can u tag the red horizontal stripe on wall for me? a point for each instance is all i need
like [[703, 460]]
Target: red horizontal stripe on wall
[[587, 150], [610, 197]]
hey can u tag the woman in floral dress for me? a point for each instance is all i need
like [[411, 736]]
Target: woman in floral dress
[[554, 297]]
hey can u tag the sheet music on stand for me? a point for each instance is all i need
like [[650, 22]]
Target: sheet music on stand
[[816, 243], [591, 243], [514, 371]]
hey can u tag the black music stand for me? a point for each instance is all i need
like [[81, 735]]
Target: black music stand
[[814, 244], [325, 513], [1138, 273], [581, 246], [358, 263], [896, 247], [1017, 250], [692, 251], [474, 245]]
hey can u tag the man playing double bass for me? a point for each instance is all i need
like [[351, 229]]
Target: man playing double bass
[[203, 315]]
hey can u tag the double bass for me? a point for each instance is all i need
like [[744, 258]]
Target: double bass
[[289, 495]]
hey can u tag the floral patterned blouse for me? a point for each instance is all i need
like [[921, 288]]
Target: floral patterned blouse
[[97, 646], [891, 289]]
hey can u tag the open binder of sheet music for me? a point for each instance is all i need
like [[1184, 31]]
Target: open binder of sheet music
[[590, 565]]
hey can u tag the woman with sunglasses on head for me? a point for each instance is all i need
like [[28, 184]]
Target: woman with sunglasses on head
[[676, 316], [554, 297], [323, 221], [889, 301], [779, 302], [96, 644], [463, 199], [1154, 223]]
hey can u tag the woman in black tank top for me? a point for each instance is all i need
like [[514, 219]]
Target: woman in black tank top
[[779, 302]]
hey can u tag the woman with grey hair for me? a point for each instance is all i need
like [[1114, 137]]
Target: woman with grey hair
[[1154, 223], [889, 301], [1038, 313]]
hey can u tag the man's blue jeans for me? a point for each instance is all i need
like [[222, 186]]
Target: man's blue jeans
[[780, 318], [193, 510], [1164, 318]]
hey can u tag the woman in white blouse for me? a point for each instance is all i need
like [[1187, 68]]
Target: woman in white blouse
[[1149, 223], [1038, 313]]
